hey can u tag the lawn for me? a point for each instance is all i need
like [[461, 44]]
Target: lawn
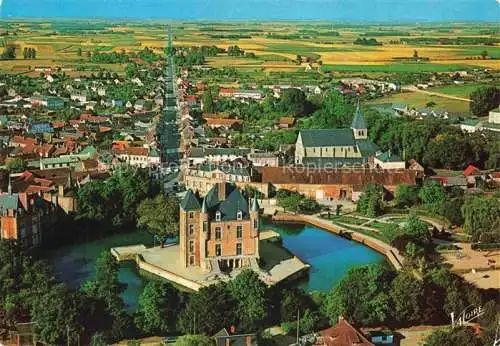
[[347, 219]]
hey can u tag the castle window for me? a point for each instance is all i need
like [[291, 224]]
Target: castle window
[[191, 246], [218, 233], [191, 260], [191, 214], [217, 216], [238, 249], [239, 215], [218, 250], [255, 223], [191, 229], [239, 231]]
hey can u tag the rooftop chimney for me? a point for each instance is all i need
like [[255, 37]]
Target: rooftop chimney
[[221, 191]]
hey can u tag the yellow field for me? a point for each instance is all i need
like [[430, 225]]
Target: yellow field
[[60, 49]]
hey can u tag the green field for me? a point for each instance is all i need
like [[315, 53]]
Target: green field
[[398, 68], [458, 90]]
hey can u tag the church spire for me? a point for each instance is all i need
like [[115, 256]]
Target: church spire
[[358, 124], [9, 188]]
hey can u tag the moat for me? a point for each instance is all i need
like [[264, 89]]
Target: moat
[[329, 255]]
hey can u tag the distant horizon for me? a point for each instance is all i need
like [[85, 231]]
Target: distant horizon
[[343, 11]]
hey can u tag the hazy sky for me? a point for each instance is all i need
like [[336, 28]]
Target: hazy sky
[[363, 10]]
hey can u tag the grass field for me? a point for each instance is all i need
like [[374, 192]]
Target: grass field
[[458, 90], [273, 43], [396, 67], [417, 100]]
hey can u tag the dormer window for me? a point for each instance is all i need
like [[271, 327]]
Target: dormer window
[[239, 215], [217, 216]]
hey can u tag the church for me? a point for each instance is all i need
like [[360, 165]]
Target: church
[[220, 232], [336, 148]]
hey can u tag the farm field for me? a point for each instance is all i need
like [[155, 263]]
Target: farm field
[[417, 100], [276, 45]]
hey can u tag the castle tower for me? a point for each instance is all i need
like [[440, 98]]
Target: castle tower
[[358, 125], [189, 215], [203, 235]]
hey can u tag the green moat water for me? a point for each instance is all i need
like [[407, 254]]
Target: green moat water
[[329, 255]]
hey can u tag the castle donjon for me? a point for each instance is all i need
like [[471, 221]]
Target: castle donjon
[[220, 232]]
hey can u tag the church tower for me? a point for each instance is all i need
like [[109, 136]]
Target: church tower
[[358, 125]]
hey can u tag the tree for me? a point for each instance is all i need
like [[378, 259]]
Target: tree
[[415, 54], [9, 53], [251, 294], [160, 215], [294, 102], [370, 201], [484, 54], [453, 337], [360, 296], [406, 195], [105, 284], [295, 202], [208, 311], [114, 203], [482, 218], [16, 165], [292, 301], [406, 297], [56, 316], [79, 52], [432, 196], [159, 305], [335, 111], [106, 287], [208, 102], [483, 100], [194, 340]]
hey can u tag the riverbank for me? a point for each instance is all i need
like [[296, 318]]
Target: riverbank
[[392, 254]]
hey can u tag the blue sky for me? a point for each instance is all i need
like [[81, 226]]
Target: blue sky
[[351, 10]]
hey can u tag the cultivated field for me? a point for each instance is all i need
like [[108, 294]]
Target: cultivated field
[[440, 48]]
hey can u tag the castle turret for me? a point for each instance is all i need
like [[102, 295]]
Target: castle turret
[[202, 237], [255, 222], [189, 214], [358, 125]]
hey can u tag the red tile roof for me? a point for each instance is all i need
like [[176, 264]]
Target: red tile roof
[[343, 334], [20, 140], [137, 151], [223, 122], [58, 124], [471, 169], [287, 120], [299, 175]]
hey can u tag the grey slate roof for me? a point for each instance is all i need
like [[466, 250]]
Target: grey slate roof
[[367, 147], [232, 204], [358, 122], [190, 202], [228, 207], [328, 138]]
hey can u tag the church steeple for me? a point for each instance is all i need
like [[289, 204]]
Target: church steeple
[[358, 124]]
